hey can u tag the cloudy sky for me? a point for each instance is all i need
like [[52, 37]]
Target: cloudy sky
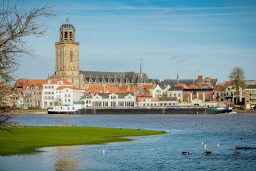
[[188, 37]]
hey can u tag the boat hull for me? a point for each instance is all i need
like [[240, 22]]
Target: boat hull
[[63, 112], [147, 111]]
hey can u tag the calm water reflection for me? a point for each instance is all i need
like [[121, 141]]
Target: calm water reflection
[[162, 152], [65, 158]]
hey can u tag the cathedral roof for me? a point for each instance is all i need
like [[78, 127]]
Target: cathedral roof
[[114, 77]]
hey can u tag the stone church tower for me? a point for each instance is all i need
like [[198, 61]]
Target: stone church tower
[[67, 55]]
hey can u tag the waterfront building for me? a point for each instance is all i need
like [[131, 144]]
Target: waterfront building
[[202, 90], [29, 93], [250, 96], [68, 95], [204, 94], [176, 92], [58, 92], [148, 102], [250, 82], [219, 93], [109, 100], [231, 95], [157, 91]]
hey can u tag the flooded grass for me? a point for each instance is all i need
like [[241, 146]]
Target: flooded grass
[[28, 139]]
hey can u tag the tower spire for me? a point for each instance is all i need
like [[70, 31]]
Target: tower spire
[[178, 79], [141, 66], [67, 20]]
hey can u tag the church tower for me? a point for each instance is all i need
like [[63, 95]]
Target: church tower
[[67, 55]]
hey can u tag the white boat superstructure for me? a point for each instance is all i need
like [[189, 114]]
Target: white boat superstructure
[[65, 109]]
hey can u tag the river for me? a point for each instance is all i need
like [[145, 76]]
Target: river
[[219, 133]]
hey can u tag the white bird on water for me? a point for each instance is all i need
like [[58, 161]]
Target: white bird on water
[[103, 151], [218, 145], [205, 146]]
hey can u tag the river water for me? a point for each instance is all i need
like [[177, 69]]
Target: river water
[[219, 133]]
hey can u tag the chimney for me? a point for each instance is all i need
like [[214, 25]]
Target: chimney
[[200, 81]]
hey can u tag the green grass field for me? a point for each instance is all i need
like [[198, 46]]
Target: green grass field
[[28, 139]]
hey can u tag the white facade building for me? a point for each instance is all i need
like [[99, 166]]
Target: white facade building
[[157, 91], [105, 100], [176, 92], [158, 102], [68, 95], [59, 92]]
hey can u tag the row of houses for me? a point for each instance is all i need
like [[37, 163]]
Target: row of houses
[[51, 92], [33, 93]]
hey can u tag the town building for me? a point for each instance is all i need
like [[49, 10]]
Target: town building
[[219, 93], [250, 96], [29, 93], [149, 102], [109, 100], [57, 92], [157, 91], [176, 92], [173, 82], [202, 90]]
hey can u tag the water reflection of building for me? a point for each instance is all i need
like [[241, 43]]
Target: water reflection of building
[[65, 159]]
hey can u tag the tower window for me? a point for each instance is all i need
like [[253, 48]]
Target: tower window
[[70, 35], [66, 35], [71, 56]]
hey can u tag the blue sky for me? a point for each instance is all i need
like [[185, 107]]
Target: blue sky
[[188, 37]]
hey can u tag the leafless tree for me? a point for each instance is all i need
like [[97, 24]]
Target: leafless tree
[[237, 76], [16, 24]]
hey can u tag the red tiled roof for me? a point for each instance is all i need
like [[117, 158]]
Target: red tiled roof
[[191, 86], [56, 80], [228, 83], [23, 83], [148, 86], [111, 88], [181, 85], [95, 88], [70, 87]]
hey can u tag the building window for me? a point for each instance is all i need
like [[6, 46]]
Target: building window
[[71, 56], [66, 35], [70, 35]]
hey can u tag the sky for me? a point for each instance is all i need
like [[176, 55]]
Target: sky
[[185, 37]]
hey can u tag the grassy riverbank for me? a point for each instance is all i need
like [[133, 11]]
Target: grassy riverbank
[[23, 140]]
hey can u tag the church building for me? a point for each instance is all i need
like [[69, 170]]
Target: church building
[[67, 64]]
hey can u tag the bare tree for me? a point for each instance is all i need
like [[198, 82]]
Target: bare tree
[[15, 25], [237, 76]]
